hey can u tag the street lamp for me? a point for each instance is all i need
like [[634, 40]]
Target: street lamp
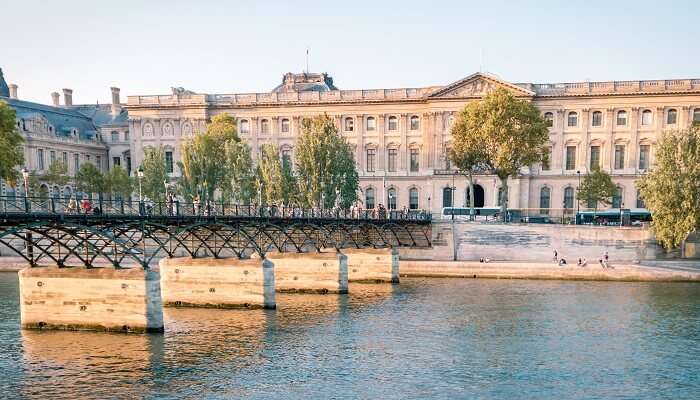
[[139, 173], [165, 183], [25, 176], [578, 201]]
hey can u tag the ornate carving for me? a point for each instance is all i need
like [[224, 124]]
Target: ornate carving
[[478, 87], [187, 129], [147, 129], [167, 129]]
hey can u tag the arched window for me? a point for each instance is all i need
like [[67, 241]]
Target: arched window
[[391, 198], [413, 198], [115, 136], [244, 126], [569, 197], [617, 198], [621, 118], [371, 123], [696, 115], [640, 200], [447, 197], [415, 123], [646, 117], [545, 195], [369, 198], [549, 119], [393, 123], [572, 119], [597, 118], [671, 116], [264, 126], [285, 125], [349, 124]]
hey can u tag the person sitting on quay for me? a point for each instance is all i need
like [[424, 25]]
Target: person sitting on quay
[[582, 262], [562, 261], [556, 255]]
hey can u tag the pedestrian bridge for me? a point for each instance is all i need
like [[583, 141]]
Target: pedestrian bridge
[[60, 232]]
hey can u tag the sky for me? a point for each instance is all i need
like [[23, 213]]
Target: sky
[[146, 47]]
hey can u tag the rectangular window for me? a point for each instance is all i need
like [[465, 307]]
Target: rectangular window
[[371, 124], [570, 157], [413, 199], [169, 162], [126, 136], [76, 162], [52, 157], [414, 160], [644, 157], [87, 157], [595, 157], [65, 158], [371, 159], [619, 156], [115, 136], [391, 159], [116, 161], [597, 119], [40, 159], [98, 162]]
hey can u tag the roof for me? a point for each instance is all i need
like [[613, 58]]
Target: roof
[[63, 119], [4, 89], [101, 114], [305, 82]]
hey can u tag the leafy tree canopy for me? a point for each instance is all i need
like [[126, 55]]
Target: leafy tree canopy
[[597, 187], [117, 182], [154, 175], [57, 174], [11, 152], [89, 179], [277, 182]]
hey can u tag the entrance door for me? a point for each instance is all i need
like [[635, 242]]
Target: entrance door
[[478, 198]]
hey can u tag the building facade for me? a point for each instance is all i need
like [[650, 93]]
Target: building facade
[[401, 137]]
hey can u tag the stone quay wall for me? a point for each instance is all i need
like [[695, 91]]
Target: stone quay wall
[[325, 272]]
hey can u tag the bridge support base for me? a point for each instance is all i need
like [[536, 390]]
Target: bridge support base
[[325, 272], [372, 265], [217, 283], [103, 299]]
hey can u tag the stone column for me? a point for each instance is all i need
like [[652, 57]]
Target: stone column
[[360, 143], [585, 136], [275, 122], [381, 147], [403, 149], [684, 117], [608, 164], [254, 147], [558, 156], [634, 140], [426, 133]]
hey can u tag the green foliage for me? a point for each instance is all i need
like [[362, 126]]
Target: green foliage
[[154, 174], [89, 179], [11, 152], [671, 190], [57, 174], [467, 153], [511, 133], [276, 180], [239, 185], [325, 165], [597, 187], [118, 183], [204, 166]]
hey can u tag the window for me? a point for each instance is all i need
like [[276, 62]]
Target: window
[[98, 162], [244, 126], [40, 159], [371, 160], [76, 162], [547, 163], [569, 197], [597, 118], [696, 115], [126, 136], [116, 161], [393, 122], [264, 126], [64, 156], [369, 198], [414, 160], [640, 201], [450, 122], [285, 125], [169, 162], [87, 157], [391, 159], [646, 117], [621, 118], [286, 158], [115, 136], [371, 123], [415, 123], [413, 199], [349, 124], [644, 156], [545, 194], [617, 198], [447, 197], [671, 116], [549, 119], [570, 157], [595, 157], [572, 120], [391, 198], [619, 156], [52, 157]]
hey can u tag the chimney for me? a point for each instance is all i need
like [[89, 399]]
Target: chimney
[[68, 97], [116, 106], [13, 91], [56, 98]]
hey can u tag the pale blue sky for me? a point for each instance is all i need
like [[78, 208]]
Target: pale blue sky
[[145, 47]]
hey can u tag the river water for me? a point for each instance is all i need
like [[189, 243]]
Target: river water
[[424, 338]]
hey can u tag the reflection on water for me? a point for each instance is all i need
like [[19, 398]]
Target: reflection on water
[[436, 338]]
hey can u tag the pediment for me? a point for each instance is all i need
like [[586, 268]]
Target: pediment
[[478, 85]]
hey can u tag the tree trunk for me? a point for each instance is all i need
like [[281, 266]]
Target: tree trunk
[[470, 180], [504, 198]]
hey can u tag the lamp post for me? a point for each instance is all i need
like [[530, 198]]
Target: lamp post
[[165, 184], [25, 176], [139, 174], [578, 201], [452, 195]]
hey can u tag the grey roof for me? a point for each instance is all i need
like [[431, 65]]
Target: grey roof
[[63, 119], [101, 114], [4, 89], [305, 82]]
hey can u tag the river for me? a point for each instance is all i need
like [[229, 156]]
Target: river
[[424, 338]]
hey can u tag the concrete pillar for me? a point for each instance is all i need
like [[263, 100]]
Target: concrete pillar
[[372, 265], [217, 283], [106, 299], [325, 272]]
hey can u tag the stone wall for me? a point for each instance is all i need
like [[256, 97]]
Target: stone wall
[[372, 265], [310, 272]]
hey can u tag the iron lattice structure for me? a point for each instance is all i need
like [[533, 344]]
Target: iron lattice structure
[[43, 232]]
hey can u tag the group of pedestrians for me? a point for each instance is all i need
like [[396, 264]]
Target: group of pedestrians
[[582, 262], [84, 207]]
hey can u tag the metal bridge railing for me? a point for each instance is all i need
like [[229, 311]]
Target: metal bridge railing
[[54, 205]]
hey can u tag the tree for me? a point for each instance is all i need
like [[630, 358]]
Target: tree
[[117, 182], [154, 173], [325, 165], [597, 187], [276, 180], [671, 191], [11, 152], [239, 184], [511, 131], [89, 179], [57, 174]]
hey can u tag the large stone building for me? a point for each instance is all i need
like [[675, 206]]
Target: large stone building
[[401, 136]]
